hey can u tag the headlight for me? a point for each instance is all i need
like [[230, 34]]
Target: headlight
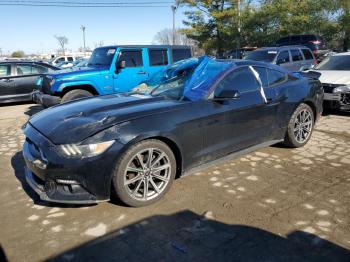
[[72, 150], [342, 89]]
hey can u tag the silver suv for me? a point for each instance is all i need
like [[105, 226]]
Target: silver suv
[[292, 58]]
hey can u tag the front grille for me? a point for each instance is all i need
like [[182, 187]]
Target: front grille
[[328, 88], [45, 87]]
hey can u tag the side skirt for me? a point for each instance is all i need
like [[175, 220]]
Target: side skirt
[[230, 157]]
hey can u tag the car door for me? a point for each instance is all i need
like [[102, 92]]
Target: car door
[[6, 81], [133, 73], [309, 60], [283, 59], [26, 77], [297, 60], [241, 122]]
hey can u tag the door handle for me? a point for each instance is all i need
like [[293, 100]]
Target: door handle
[[7, 80], [141, 72]]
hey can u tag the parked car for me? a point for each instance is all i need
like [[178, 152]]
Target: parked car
[[315, 42], [135, 145], [81, 63], [292, 58], [335, 77], [61, 59], [18, 79], [111, 69], [239, 53]]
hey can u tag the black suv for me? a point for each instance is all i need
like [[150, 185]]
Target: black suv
[[18, 79], [314, 42]]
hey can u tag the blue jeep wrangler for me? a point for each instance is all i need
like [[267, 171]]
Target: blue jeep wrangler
[[111, 69]]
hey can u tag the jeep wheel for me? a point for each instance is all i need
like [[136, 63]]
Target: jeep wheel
[[75, 94]]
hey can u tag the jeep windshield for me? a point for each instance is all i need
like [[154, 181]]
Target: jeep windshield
[[102, 56]]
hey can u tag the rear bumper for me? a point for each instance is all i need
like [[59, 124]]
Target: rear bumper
[[44, 99]]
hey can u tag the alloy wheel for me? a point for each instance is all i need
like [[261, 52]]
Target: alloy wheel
[[303, 126], [147, 174]]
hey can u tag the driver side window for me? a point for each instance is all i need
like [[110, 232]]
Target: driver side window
[[240, 79], [283, 57]]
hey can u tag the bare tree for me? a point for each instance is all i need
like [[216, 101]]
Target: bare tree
[[62, 42], [165, 37], [99, 44]]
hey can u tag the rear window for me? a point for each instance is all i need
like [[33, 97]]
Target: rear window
[[307, 54], [180, 54], [261, 55], [132, 58], [5, 70], [296, 55], [158, 57], [275, 77]]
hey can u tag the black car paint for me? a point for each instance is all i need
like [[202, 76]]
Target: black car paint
[[197, 132], [17, 88]]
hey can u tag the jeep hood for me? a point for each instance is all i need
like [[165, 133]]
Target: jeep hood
[[75, 121], [76, 71]]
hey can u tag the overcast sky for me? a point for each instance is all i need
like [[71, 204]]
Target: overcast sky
[[32, 29]]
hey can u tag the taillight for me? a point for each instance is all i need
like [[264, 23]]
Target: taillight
[[316, 42]]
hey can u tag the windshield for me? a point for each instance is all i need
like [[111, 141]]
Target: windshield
[[337, 62], [173, 88], [261, 55], [102, 56]]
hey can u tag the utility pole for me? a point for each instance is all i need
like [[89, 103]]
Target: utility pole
[[83, 29], [173, 9]]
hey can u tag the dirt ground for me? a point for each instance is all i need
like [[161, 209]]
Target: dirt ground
[[275, 204]]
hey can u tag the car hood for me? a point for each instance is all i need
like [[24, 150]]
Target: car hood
[[75, 71], [334, 76], [75, 121]]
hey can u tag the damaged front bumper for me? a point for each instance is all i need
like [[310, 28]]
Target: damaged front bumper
[[45, 99], [56, 178]]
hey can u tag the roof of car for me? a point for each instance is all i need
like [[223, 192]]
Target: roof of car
[[146, 46], [282, 47], [240, 62]]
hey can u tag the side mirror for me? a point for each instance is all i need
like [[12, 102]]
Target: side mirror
[[119, 66], [228, 94]]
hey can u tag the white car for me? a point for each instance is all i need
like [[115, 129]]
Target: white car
[[335, 78]]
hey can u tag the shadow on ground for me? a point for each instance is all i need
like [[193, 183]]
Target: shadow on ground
[[32, 110], [185, 236]]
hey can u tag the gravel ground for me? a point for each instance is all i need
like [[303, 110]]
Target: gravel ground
[[275, 204]]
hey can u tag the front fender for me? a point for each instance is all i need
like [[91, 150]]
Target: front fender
[[62, 85]]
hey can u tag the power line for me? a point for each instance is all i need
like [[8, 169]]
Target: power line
[[84, 4]]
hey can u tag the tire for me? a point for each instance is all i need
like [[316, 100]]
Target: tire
[[75, 94], [130, 176], [300, 127]]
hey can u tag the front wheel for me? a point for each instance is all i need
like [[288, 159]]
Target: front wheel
[[300, 127], [144, 173], [75, 94]]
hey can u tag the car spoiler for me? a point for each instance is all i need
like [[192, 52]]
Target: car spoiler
[[310, 74]]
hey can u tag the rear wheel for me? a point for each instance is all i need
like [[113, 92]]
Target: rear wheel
[[75, 94], [300, 127], [144, 173]]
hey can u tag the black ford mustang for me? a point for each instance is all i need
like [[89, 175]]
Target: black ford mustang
[[134, 145]]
